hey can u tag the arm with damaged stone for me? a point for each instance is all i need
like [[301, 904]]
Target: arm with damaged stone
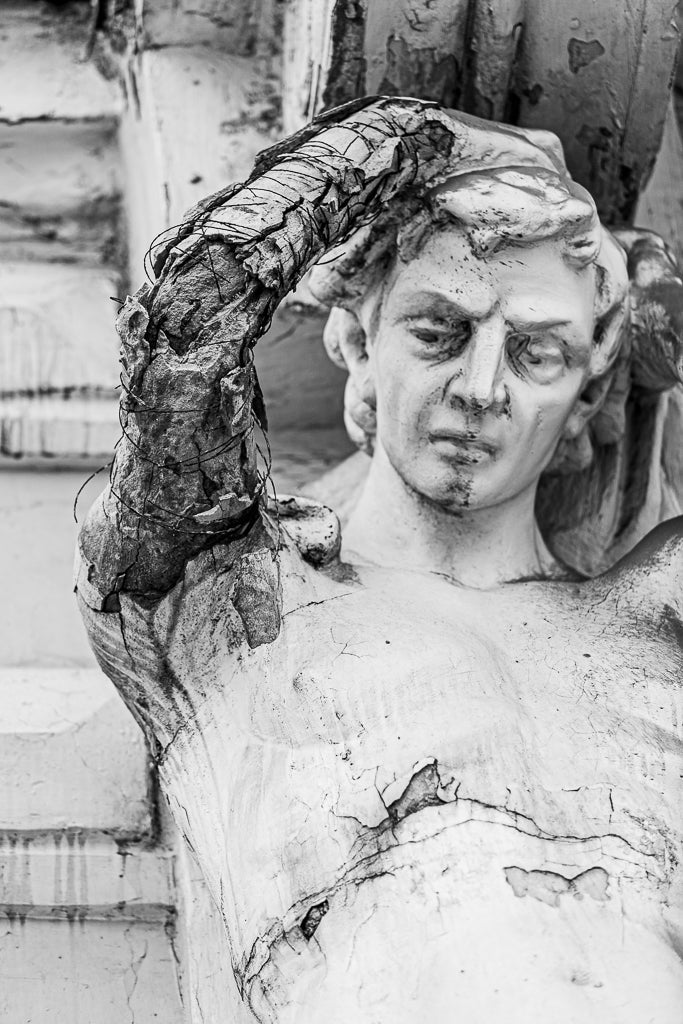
[[185, 473]]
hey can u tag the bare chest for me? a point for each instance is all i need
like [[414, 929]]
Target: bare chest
[[535, 699], [418, 667], [536, 726]]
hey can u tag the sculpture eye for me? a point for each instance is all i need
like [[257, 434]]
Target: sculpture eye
[[540, 356], [519, 348], [450, 336]]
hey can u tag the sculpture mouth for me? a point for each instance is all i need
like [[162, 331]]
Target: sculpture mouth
[[461, 446]]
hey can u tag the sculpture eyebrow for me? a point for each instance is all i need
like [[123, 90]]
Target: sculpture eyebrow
[[536, 325], [433, 303]]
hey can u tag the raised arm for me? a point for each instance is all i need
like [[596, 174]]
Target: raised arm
[[185, 474]]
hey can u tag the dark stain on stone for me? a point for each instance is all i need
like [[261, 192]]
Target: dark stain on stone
[[605, 180], [421, 791], [313, 919], [533, 93], [257, 606], [630, 179], [423, 72], [673, 623], [255, 596], [112, 603], [641, 416], [598, 137], [513, 106], [346, 77], [581, 53]]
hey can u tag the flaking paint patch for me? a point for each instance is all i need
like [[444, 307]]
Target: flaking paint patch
[[548, 886], [256, 597], [582, 53]]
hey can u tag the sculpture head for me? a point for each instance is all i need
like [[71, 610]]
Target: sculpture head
[[479, 324]]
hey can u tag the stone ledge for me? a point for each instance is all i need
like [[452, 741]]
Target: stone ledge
[[57, 428], [78, 876], [58, 360]]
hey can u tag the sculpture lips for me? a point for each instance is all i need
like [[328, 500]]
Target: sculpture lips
[[470, 445]]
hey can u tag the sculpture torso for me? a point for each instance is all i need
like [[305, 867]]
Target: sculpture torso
[[553, 767]]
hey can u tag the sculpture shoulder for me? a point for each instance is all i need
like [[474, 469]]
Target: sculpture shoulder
[[653, 570], [244, 585], [314, 528], [231, 600], [308, 530]]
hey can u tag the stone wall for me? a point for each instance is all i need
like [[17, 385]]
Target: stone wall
[[113, 121], [87, 892]]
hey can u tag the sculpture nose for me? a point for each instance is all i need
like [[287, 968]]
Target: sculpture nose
[[478, 382]]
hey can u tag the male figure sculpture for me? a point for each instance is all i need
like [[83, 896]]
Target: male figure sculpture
[[434, 776]]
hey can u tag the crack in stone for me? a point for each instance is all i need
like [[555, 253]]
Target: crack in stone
[[425, 789], [313, 918]]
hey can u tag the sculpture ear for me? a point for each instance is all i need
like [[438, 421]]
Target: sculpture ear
[[575, 449], [587, 405], [345, 342], [360, 418], [335, 333]]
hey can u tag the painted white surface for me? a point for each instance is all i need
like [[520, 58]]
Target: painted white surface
[[209, 986], [59, 235], [87, 919], [40, 622], [43, 72], [58, 428], [71, 756], [306, 59], [202, 116], [55, 972]]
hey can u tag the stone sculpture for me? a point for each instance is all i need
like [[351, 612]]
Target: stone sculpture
[[436, 775]]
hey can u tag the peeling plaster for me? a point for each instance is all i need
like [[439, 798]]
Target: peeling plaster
[[581, 53], [548, 887]]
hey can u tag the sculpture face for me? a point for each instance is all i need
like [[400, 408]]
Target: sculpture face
[[477, 366]]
